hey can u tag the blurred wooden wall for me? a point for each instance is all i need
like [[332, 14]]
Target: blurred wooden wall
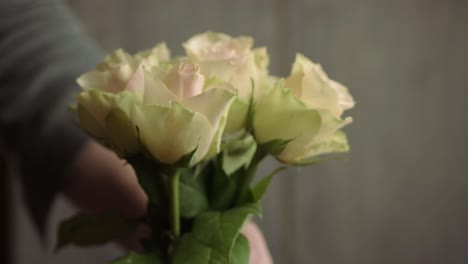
[[402, 196]]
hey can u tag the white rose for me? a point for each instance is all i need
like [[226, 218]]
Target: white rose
[[234, 61], [311, 85], [178, 118], [304, 111], [114, 72]]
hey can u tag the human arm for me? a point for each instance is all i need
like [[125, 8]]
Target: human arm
[[43, 51]]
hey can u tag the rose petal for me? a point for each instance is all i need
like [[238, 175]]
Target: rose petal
[[155, 91], [169, 133], [184, 80], [310, 83], [214, 105], [335, 143], [280, 116]]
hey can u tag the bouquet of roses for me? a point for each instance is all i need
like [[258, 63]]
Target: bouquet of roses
[[195, 129]]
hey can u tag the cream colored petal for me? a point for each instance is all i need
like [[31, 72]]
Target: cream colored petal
[[310, 83], [121, 133], [262, 59], [96, 103], [93, 80], [197, 46], [137, 81], [345, 100], [113, 80], [280, 116], [329, 124], [154, 56], [90, 123], [155, 91], [169, 133], [184, 80], [214, 105], [213, 46], [118, 78], [116, 58], [237, 117], [335, 143]]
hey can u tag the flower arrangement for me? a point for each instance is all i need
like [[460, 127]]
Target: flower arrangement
[[195, 129]]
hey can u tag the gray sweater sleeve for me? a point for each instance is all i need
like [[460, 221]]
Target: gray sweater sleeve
[[42, 52]]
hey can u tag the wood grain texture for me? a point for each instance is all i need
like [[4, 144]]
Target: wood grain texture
[[401, 196], [399, 199]]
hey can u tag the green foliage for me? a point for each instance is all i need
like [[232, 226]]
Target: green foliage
[[214, 237], [238, 154], [152, 178], [240, 251], [222, 187], [86, 229], [191, 251], [193, 199], [184, 161], [261, 187]]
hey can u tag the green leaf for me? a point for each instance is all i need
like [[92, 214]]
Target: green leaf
[[150, 177], [240, 251], [192, 195], [189, 250], [223, 193], [216, 238], [219, 230], [256, 193], [238, 154], [86, 229], [136, 258], [222, 188], [261, 187]]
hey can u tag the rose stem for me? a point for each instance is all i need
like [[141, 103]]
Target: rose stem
[[175, 209]]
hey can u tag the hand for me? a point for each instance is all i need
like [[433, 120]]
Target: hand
[[99, 180], [259, 253]]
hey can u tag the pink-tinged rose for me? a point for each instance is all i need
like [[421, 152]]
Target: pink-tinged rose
[[168, 116], [231, 60], [311, 85], [305, 112], [185, 80]]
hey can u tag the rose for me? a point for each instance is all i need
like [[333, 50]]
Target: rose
[[231, 60], [105, 115], [304, 113], [104, 105], [165, 112], [177, 118], [155, 56], [115, 71], [311, 84]]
